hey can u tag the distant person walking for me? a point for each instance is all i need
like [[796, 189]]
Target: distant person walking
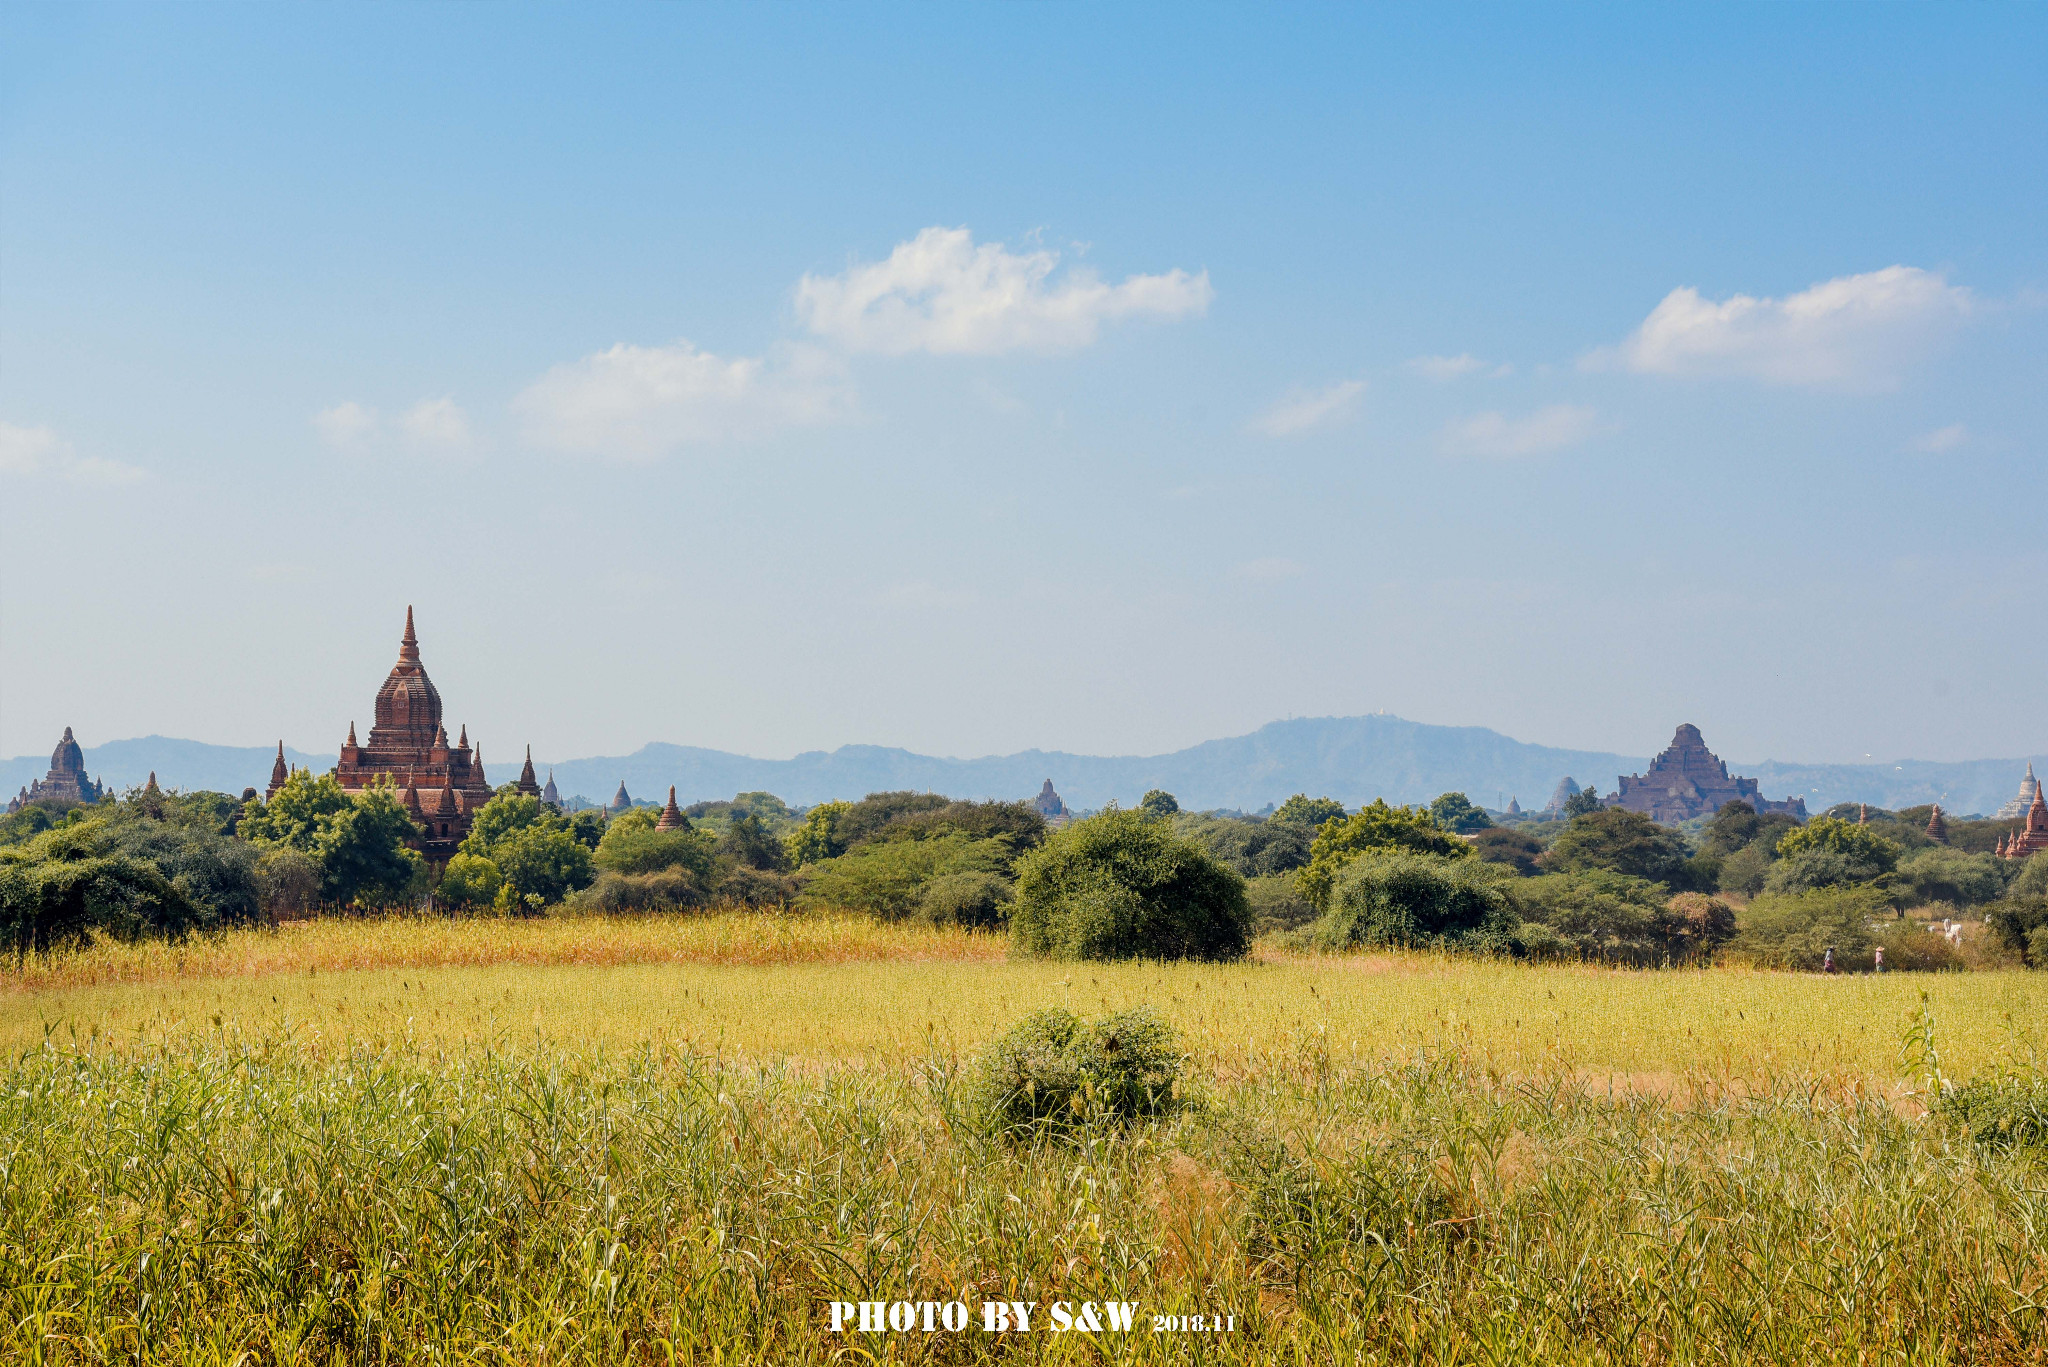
[[1827, 964], [1880, 962]]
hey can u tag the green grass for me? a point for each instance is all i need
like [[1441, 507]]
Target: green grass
[[554, 1159]]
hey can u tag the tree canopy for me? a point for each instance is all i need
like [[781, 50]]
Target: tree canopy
[[1374, 827]]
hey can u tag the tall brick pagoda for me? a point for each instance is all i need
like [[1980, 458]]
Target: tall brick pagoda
[[2032, 838], [66, 782], [1689, 780], [442, 785]]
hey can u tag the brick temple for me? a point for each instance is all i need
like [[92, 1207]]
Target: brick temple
[[1689, 780], [65, 784], [442, 785], [2032, 838]]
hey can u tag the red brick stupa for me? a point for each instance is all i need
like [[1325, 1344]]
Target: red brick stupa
[[442, 785], [2032, 838]]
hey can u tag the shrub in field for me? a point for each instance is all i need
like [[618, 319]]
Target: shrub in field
[[1912, 947], [1795, 930], [470, 880], [1620, 841], [665, 890], [1695, 925], [980, 900], [817, 837], [2033, 877], [1256, 849], [887, 878], [1952, 876], [1055, 1069], [1859, 849], [744, 886], [632, 845], [2008, 1111], [1299, 1206], [1517, 850], [1403, 900], [1123, 886], [1377, 827], [1277, 904], [1744, 871], [2019, 922]]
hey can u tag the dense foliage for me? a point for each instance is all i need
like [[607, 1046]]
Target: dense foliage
[[1124, 886], [1394, 899], [1377, 827], [1054, 1069]]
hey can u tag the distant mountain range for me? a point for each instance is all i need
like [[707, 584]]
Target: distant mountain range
[[1353, 759]]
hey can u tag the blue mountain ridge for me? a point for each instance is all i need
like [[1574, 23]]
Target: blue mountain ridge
[[1353, 759]]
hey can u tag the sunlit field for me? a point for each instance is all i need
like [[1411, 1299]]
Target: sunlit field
[[667, 1139]]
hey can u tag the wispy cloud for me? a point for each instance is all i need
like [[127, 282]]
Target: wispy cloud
[[941, 293], [1857, 331], [1303, 410], [436, 425], [1942, 439], [638, 402], [1442, 368], [1548, 429], [39, 452]]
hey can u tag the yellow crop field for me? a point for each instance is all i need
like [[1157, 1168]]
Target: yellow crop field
[[655, 1140]]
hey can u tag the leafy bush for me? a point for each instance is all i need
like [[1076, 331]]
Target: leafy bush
[[1811, 869], [1915, 947], [1795, 930], [1620, 841], [817, 837], [1399, 899], [1455, 812], [1694, 925], [1952, 876], [1053, 1069], [887, 878], [1307, 812], [1617, 918], [1123, 886], [2002, 1112], [1517, 850], [1858, 844], [977, 899], [1277, 904], [1158, 803], [866, 818], [65, 903], [632, 845], [1015, 827], [1374, 828], [2016, 922], [2033, 877], [1256, 849], [742, 885], [470, 880], [666, 890], [1745, 871]]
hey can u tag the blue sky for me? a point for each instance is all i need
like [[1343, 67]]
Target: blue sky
[[972, 379]]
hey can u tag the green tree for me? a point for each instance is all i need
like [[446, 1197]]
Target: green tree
[[748, 843], [1584, 802], [1122, 886], [1158, 803], [636, 847], [470, 880], [889, 878], [1455, 812], [1517, 850], [1374, 827], [508, 811], [817, 838], [57, 903], [1395, 899], [1860, 846], [1620, 841], [543, 861], [297, 813], [1795, 930], [1312, 812], [364, 855]]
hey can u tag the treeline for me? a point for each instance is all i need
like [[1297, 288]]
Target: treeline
[[1605, 884]]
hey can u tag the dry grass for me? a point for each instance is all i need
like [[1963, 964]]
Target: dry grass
[[835, 989]]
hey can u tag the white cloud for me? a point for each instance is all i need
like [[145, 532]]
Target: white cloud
[[1441, 368], [1304, 409], [347, 425], [35, 451], [437, 423], [1943, 439], [940, 293], [1270, 570], [1547, 429], [639, 401], [1857, 331]]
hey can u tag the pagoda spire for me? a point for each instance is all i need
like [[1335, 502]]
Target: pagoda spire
[[278, 773], [351, 739], [527, 783], [409, 648], [463, 743], [672, 818]]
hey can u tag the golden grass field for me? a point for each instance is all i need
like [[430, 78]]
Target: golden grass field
[[679, 1139], [833, 989]]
